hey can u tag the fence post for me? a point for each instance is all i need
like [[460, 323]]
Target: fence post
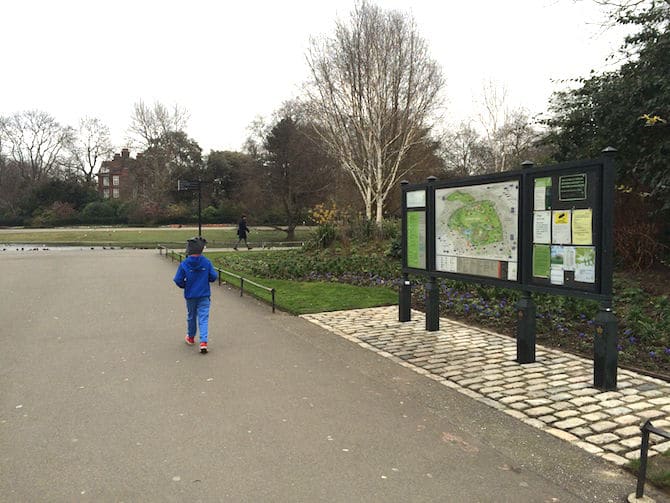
[[273, 300], [241, 287], [644, 448]]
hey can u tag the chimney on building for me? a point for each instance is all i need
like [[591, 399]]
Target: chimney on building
[[125, 153]]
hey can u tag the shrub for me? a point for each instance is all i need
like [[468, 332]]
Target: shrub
[[637, 237]]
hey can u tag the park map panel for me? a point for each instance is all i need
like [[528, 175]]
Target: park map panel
[[476, 230]]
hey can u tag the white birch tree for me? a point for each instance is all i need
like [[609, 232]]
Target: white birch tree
[[373, 91]]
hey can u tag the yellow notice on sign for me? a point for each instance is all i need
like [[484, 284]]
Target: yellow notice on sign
[[582, 227], [561, 217]]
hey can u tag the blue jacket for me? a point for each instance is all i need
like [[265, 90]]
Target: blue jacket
[[194, 275]]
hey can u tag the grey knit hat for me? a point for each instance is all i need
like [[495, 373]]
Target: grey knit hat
[[194, 246]]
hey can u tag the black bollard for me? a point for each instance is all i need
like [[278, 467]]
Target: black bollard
[[432, 305], [525, 329], [605, 353], [405, 300]]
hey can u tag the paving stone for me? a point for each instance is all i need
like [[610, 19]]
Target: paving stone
[[539, 411], [588, 409], [614, 458], [585, 391], [601, 426], [564, 414], [632, 455], [650, 414], [513, 399], [583, 400], [595, 416], [628, 431], [619, 411], [536, 402], [610, 404], [548, 419], [633, 397], [515, 413], [562, 405], [572, 422], [582, 431], [608, 395], [627, 420], [614, 447], [589, 447], [631, 442], [638, 406], [563, 435], [491, 389], [602, 438]]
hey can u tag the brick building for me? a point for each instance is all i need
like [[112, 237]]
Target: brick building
[[114, 177]]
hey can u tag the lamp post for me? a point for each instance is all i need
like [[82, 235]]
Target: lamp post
[[183, 185]]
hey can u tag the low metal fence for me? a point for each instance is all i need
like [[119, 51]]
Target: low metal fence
[[173, 255], [647, 429]]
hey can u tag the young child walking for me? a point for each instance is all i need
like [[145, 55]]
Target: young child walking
[[194, 275]]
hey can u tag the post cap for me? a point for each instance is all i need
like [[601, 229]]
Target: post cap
[[527, 164], [609, 151], [431, 179], [404, 182]]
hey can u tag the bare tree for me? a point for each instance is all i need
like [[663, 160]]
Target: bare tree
[[462, 151], [150, 123], [91, 145], [508, 132], [372, 93], [37, 144]]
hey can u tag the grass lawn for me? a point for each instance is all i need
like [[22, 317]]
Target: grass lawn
[[139, 237], [303, 297]]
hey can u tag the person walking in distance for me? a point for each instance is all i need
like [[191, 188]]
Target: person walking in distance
[[242, 231], [194, 275]]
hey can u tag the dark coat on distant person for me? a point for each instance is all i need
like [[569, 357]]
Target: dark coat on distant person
[[242, 229]]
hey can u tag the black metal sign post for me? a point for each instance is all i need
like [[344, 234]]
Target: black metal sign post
[[432, 288], [525, 324], [405, 294], [546, 230], [605, 353]]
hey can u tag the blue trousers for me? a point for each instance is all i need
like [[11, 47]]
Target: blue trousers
[[197, 316]]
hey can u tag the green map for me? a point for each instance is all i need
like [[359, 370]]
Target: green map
[[476, 229], [477, 221]]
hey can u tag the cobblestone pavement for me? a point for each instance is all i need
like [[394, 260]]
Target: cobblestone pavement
[[554, 394]]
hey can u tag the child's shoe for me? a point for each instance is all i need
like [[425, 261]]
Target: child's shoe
[[189, 340], [203, 347]]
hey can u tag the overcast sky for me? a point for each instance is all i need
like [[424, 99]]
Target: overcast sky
[[230, 62]]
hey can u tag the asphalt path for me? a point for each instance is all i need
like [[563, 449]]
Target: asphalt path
[[101, 400]]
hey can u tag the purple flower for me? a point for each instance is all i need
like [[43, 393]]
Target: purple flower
[[619, 347], [628, 331], [632, 340], [582, 335], [667, 351], [652, 353]]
